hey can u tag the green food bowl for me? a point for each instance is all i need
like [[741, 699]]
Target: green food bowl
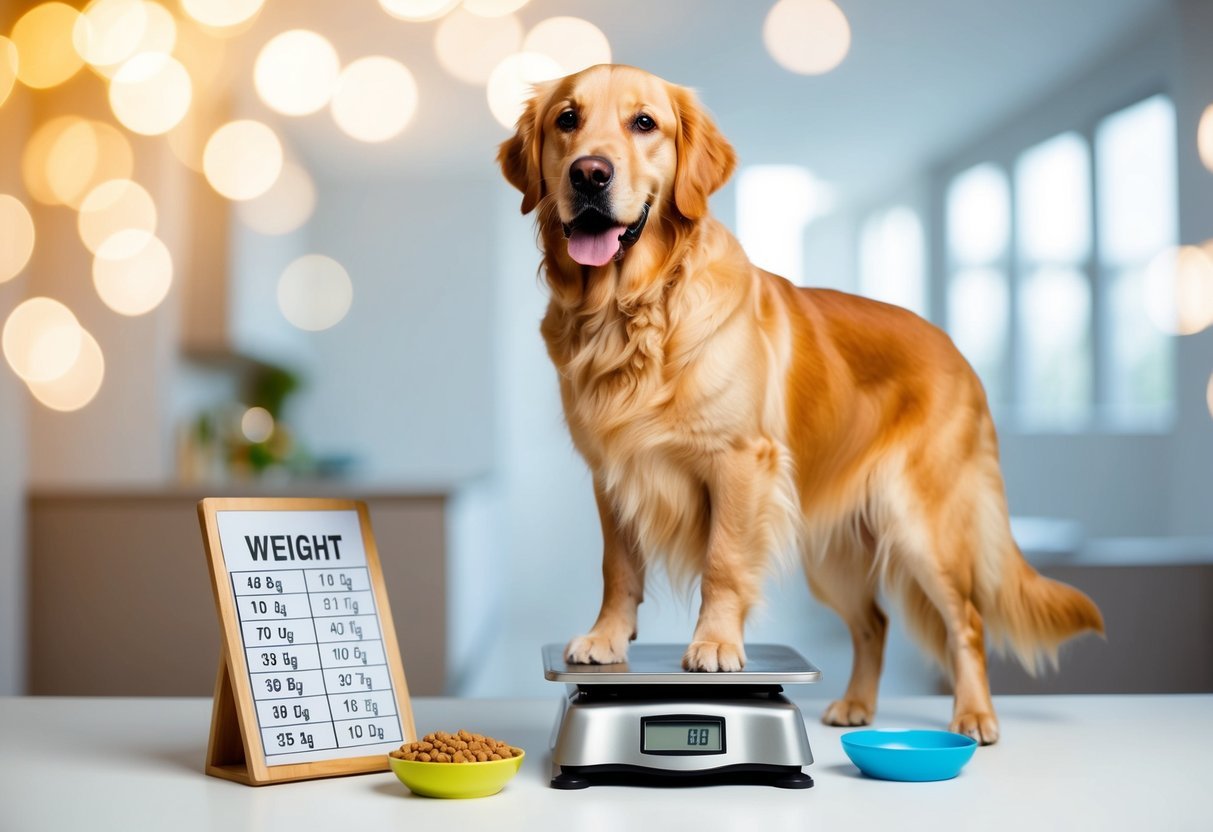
[[456, 780]]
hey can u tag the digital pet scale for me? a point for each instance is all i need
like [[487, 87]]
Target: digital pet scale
[[647, 721]]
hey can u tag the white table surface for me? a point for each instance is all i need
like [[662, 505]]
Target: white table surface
[[1065, 762]]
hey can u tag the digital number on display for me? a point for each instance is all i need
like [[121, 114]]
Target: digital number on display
[[663, 736]]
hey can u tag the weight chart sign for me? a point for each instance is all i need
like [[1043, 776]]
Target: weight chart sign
[[310, 633]]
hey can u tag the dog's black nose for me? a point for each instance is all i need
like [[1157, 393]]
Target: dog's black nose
[[590, 174]]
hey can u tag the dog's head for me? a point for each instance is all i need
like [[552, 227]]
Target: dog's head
[[605, 152]]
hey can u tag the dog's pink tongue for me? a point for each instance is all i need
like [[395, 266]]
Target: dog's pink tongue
[[595, 249]]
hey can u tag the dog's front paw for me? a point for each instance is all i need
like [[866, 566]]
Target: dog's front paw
[[848, 712], [596, 649], [981, 727], [714, 656]]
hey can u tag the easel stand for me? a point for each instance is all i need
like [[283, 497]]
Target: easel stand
[[310, 683]]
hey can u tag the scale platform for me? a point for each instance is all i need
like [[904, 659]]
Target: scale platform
[[649, 722]]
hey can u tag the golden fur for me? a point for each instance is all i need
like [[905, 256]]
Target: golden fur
[[730, 418]]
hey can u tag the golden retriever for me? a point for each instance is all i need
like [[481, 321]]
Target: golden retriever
[[730, 418]]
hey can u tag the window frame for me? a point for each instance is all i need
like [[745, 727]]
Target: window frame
[[1003, 150]]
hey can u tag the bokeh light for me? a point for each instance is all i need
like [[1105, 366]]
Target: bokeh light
[[242, 159], [493, 8], [45, 50], [808, 37], [220, 14], [113, 206], [72, 161], [257, 424], [16, 237], [132, 272], [1179, 290], [418, 10], [315, 292], [79, 385], [1204, 136], [285, 206], [470, 47], [41, 339], [159, 35], [375, 99], [37, 154], [151, 93], [570, 41], [8, 67], [109, 31], [203, 54], [295, 72], [511, 84], [67, 156]]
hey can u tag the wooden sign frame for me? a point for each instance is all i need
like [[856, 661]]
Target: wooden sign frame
[[235, 750]]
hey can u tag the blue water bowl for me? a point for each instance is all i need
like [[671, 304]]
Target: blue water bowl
[[915, 756]]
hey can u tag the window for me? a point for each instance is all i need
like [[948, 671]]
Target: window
[[1049, 301], [1137, 218], [1053, 218], [892, 261], [978, 228], [775, 203]]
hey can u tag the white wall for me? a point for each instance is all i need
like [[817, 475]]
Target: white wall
[[830, 258], [1191, 453], [405, 381]]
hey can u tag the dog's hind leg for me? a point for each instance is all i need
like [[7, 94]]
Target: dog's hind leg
[[842, 579], [622, 592], [937, 551]]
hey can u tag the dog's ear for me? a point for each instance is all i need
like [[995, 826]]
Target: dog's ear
[[705, 158], [520, 155]]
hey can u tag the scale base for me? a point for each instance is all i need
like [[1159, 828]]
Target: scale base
[[648, 722], [751, 774]]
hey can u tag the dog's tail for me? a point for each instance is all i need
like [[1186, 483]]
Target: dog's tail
[[1033, 615]]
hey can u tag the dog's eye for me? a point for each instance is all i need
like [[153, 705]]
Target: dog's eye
[[567, 120], [644, 123]]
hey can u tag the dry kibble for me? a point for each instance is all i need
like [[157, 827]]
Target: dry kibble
[[460, 747]]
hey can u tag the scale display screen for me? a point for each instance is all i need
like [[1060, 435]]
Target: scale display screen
[[675, 735]]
